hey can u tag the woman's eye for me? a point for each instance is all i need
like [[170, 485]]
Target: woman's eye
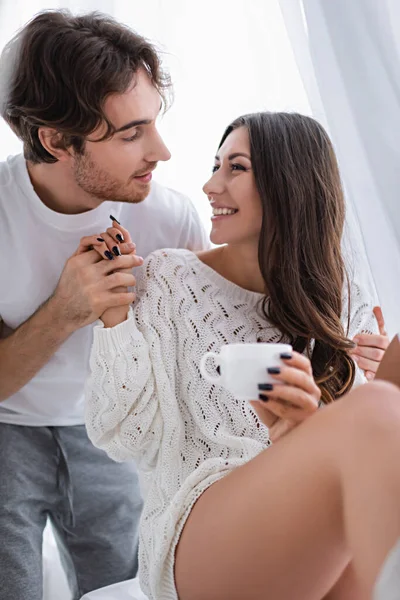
[[237, 167], [233, 167]]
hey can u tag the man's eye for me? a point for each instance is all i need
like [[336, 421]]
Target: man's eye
[[132, 138], [215, 168]]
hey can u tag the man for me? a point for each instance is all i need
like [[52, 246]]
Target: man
[[83, 94]]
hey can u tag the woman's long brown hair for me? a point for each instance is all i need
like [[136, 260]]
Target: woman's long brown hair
[[300, 256]]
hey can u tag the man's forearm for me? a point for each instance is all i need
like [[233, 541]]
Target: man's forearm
[[30, 347]]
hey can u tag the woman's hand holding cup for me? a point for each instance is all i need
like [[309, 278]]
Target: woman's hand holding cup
[[282, 406], [281, 379]]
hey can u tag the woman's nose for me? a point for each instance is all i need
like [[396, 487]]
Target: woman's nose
[[214, 185]]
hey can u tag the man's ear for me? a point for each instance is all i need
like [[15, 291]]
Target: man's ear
[[53, 141]]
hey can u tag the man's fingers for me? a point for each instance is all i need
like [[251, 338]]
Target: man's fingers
[[127, 261], [116, 280], [380, 320], [370, 341], [119, 299], [366, 364], [375, 354]]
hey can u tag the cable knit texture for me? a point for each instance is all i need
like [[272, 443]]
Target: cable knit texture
[[147, 401]]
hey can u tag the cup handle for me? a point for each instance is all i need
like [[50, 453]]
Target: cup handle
[[203, 367]]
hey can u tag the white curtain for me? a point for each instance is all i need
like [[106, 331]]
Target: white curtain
[[348, 53]]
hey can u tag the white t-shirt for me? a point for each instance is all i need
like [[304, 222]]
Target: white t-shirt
[[35, 243]]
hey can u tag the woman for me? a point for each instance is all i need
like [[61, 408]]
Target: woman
[[225, 515]]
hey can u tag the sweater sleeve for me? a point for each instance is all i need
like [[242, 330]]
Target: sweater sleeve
[[123, 415]]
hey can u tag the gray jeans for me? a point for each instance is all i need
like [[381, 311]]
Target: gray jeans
[[94, 505]]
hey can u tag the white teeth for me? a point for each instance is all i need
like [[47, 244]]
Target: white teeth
[[223, 211]]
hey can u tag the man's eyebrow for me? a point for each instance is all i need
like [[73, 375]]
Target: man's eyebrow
[[136, 123], [235, 155], [133, 124]]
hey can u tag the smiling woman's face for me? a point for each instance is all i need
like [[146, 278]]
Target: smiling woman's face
[[233, 194]]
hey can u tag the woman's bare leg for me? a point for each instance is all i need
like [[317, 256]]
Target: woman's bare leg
[[347, 587], [285, 525]]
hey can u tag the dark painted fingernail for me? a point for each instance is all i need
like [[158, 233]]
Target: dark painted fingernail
[[120, 238], [116, 251], [114, 219], [286, 356], [267, 387], [263, 398], [274, 370], [100, 240], [108, 255]]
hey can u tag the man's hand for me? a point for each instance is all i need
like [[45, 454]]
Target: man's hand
[[370, 349], [88, 286], [113, 246]]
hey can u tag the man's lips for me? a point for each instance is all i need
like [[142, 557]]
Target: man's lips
[[144, 178]]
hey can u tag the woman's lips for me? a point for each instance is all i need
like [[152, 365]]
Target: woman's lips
[[219, 217]]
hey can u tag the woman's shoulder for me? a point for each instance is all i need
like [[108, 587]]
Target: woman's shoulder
[[168, 258], [164, 266]]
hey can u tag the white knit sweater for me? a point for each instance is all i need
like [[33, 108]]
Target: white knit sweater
[[147, 401]]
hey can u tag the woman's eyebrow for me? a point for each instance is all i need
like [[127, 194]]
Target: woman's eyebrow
[[235, 155]]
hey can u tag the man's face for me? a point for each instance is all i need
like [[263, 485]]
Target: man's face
[[119, 169]]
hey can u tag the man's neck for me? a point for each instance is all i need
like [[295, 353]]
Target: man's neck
[[57, 189]]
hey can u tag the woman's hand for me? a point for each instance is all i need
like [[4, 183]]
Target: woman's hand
[[286, 405], [371, 348], [110, 245]]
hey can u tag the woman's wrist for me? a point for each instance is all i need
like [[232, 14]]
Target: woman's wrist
[[114, 316]]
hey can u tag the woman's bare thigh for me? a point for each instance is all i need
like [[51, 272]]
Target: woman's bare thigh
[[347, 587], [272, 529]]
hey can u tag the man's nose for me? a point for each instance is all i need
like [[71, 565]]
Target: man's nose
[[157, 150]]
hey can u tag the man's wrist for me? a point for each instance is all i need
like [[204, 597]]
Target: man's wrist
[[57, 315]]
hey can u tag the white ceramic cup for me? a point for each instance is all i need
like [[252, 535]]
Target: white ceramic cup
[[244, 366]]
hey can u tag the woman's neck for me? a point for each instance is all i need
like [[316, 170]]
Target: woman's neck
[[238, 264]]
